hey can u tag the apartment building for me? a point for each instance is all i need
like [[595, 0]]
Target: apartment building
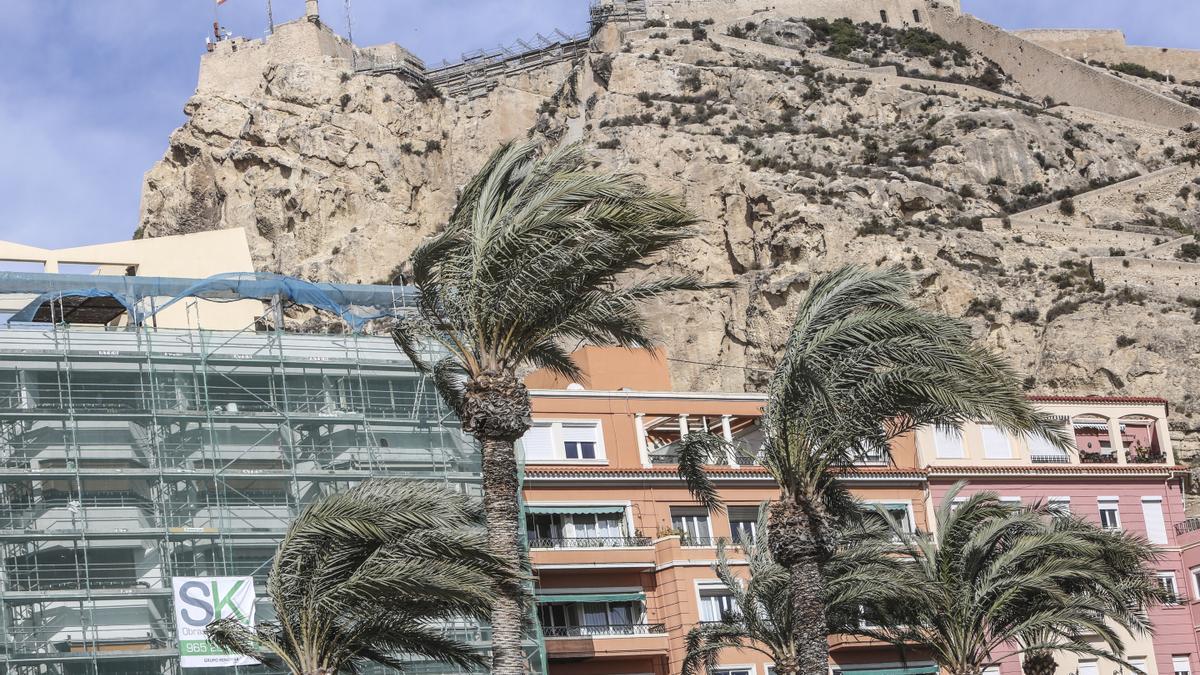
[[623, 555], [136, 447]]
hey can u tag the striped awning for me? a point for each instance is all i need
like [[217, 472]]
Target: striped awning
[[575, 510], [592, 597]]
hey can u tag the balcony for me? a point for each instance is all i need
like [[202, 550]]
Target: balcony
[[1189, 525], [611, 641], [604, 631], [589, 542], [1097, 457]]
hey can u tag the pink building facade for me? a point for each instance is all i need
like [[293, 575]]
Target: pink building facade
[[1121, 475]]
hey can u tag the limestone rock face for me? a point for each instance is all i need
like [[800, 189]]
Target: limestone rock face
[[901, 151]]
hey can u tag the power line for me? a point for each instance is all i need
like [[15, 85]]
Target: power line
[[720, 365]]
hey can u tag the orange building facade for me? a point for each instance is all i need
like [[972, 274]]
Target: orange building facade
[[623, 554]]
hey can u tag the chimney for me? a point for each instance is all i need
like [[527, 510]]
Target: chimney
[[310, 11]]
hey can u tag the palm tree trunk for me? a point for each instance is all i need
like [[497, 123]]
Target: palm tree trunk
[[501, 486], [497, 411], [796, 547], [786, 666], [1039, 663]]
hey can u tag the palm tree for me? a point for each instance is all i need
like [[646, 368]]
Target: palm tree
[[369, 573], [1028, 580], [862, 366], [534, 258], [860, 576]]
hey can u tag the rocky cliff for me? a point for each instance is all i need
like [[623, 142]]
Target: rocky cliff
[[1065, 235]]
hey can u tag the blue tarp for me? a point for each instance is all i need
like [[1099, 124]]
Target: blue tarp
[[354, 303]]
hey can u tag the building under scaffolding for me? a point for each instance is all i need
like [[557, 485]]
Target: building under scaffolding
[[130, 454]]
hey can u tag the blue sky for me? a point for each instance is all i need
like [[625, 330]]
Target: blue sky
[[91, 89]]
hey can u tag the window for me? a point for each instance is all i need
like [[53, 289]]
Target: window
[[560, 619], [579, 441], [948, 443], [734, 671], [995, 670], [1195, 572], [995, 442], [1042, 452], [1167, 581], [573, 529], [1011, 501], [693, 525], [1156, 527], [1059, 506], [883, 16], [917, 15], [743, 523], [715, 604], [1138, 663], [563, 441], [901, 513], [1110, 513], [1088, 668], [1181, 664]]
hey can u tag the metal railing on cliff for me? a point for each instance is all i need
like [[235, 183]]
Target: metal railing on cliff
[[478, 72]]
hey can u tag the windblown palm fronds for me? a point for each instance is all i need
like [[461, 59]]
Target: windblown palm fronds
[[535, 259], [370, 574], [862, 366], [999, 579], [860, 577]]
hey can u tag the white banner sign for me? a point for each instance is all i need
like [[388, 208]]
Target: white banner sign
[[198, 602]]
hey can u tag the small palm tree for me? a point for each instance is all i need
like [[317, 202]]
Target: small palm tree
[[534, 259], [862, 366], [1000, 579], [860, 576], [370, 573]]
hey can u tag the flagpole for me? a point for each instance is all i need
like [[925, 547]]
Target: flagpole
[[270, 19]]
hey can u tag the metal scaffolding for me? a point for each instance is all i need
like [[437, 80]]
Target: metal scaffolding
[[131, 456]]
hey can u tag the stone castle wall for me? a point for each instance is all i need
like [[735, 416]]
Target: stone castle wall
[[1043, 73], [1110, 47], [899, 13]]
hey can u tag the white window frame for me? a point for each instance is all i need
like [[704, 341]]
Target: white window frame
[[707, 516], [1059, 505], [1185, 659], [1115, 502], [751, 669], [559, 444], [1170, 575], [1159, 526], [1093, 663], [1194, 573], [1009, 500], [939, 444], [907, 504], [1138, 663], [989, 450]]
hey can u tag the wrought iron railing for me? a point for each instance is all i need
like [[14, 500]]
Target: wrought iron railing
[[712, 542], [611, 629], [588, 542], [1050, 459], [1189, 525]]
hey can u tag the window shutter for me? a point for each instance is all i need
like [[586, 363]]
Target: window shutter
[[580, 433], [948, 443], [995, 443], [1156, 527], [538, 443]]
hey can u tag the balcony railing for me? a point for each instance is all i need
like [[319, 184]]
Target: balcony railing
[[711, 542], [588, 542], [1097, 458], [1050, 459], [1189, 525], [1145, 457], [612, 629], [740, 458]]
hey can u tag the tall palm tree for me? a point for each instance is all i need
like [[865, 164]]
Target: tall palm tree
[[534, 259], [860, 577], [369, 573], [862, 366], [1000, 579]]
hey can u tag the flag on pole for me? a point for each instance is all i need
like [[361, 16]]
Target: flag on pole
[[220, 2]]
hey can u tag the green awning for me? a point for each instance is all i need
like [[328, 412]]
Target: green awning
[[593, 597], [911, 670], [585, 510]]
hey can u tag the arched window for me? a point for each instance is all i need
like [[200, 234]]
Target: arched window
[[883, 15], [917, 15]]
